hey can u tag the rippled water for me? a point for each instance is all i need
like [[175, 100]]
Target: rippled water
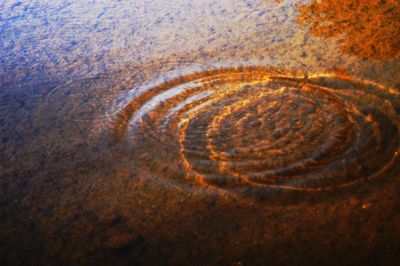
[[156, 132], [251, 126]]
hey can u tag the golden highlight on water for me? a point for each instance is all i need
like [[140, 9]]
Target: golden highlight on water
[[242, 127]]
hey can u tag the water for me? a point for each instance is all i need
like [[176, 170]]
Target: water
[[156, 132]]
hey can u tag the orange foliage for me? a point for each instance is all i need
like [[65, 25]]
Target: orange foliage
[[368, 29]]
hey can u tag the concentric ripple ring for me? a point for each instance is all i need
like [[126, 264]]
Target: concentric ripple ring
[[257, 127]]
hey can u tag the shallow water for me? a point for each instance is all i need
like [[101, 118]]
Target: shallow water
[[159, 132]]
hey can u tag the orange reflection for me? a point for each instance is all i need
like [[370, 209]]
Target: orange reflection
[[368, 29], [258, 127]]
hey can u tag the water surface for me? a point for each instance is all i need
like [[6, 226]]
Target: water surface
[[233, 133]]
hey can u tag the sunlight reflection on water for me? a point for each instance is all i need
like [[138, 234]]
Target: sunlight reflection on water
[[133, 129]]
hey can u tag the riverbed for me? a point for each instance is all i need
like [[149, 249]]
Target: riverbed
[[199, 132]]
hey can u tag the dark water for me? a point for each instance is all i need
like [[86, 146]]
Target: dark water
[[199, 132]]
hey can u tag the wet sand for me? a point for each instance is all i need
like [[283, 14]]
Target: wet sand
[[205, 133]]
